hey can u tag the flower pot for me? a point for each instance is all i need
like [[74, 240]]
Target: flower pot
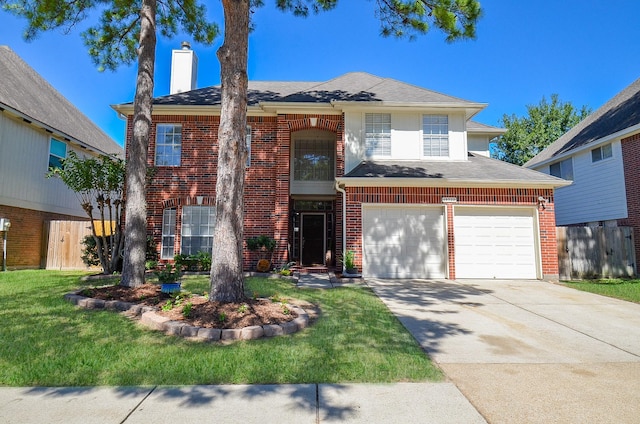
[[170, 287]]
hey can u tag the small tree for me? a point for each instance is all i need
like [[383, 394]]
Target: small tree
[[98, 184]]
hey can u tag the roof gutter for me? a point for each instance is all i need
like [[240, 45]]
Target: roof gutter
[[446, 182]]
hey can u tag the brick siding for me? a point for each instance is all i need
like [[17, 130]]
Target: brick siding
[[631, 166]]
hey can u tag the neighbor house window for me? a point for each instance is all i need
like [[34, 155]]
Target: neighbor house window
[[313, 160], [248, 142], [435, 135], [168, 233], [168, 144], [562, 169], [197, 229], [378, 134], [601, 153], [57, 152]]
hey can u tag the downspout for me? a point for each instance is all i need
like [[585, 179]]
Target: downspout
[[344, 219]]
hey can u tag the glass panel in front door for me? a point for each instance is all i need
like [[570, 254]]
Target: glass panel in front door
[[313, 234]]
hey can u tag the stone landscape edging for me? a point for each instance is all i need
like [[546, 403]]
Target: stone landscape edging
[[148, 316]]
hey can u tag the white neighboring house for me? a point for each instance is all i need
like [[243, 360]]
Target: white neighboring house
[[38, 128], [601, 155]]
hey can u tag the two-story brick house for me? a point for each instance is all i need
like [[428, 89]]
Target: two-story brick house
[[397, 173]]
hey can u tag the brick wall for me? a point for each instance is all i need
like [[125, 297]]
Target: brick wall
[[465, 196], [631, 166], [267, 179], [25, 238]]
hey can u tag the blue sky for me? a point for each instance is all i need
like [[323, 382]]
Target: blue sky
[[586, 51]]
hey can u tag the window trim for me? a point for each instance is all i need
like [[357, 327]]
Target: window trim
[[433, 136], [157, 144], [381, 137], [248, 144]]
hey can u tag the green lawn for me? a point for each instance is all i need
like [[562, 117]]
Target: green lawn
[[620, 289], [46, 341]]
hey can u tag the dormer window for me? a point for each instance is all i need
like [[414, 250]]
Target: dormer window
[[435, 135], [378, 134]]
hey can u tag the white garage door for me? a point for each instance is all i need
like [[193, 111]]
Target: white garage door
[[403, 242], [495, 243]]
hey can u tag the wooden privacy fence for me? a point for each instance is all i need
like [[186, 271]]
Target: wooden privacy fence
[[63, 241], [596, 252]]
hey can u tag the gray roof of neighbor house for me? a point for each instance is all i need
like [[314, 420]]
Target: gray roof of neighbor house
[[25, 92], [350, 87], [478, 169], [618, 114]]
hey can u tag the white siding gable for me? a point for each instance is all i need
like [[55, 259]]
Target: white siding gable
[[479, 145], [597, 192], [406, 138], [24, 159]]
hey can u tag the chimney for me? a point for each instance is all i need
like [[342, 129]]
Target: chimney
[[184, 69]]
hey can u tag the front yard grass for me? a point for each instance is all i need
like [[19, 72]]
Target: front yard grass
[[618, 288], [46, 341]]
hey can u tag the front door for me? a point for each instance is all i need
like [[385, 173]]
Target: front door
[[312, 246]]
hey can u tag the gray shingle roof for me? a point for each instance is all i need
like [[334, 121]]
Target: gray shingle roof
[[25, 91], [478, 169], [352, 87], [619, 113]]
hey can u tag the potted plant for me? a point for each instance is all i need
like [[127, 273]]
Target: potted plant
[[168, 278], [265, 246], [348, 260]]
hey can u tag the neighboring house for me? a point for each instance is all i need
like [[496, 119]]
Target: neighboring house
[[38, 128], [397, 173], [601, 155]]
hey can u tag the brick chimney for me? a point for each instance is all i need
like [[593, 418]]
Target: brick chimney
[[184, 69]]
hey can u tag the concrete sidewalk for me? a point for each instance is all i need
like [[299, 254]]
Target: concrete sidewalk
[[296, 403]]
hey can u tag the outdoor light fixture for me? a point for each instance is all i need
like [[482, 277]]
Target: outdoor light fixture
[[4, 228]]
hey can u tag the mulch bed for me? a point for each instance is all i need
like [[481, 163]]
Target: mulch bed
[[202, 312]]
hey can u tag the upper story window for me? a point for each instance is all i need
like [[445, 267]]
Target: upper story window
[[601, 153], [313, 159], [57, 152], [168, 144], [562, 169], [435, 135], [378, 134]]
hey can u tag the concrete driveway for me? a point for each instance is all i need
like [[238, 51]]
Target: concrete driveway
[[527, 351]]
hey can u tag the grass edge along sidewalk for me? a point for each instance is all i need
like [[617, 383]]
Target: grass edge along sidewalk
[[49, 342]]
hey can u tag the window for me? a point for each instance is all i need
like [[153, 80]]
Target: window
[[168, 233], [435, 135], [313, 160], [248, 141], [562, 169], [168, 144], [57, 152], [378, 134], [601, 153], [197, 229]]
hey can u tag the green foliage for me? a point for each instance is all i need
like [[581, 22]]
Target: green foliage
[[187, 309], [242, 309], [348, 259], [619, 288], [528, 135], [400, 18], [200, 261], [261, 242], [169, 274], [114, 39], [99, 184]]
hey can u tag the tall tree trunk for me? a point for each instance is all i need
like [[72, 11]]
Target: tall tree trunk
[[227, 281], [135, 229]]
